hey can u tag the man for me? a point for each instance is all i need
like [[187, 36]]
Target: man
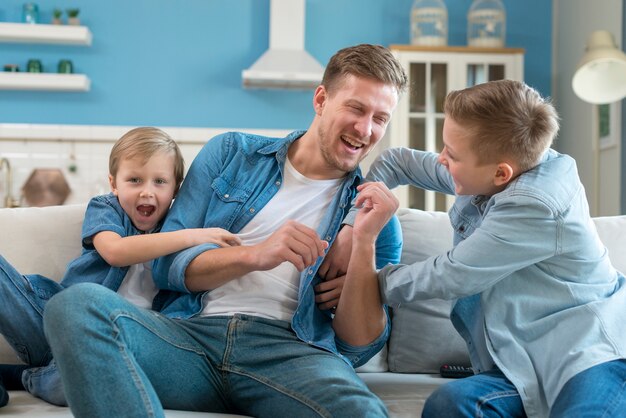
[[253, 341]]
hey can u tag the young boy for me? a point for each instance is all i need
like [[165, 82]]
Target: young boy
[[537, 299], [119, 243]]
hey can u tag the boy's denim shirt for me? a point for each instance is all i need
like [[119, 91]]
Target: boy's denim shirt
[[103, 213], [229, 181], [536, 293]]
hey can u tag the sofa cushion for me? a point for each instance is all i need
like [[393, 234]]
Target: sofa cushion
[[422, 336]]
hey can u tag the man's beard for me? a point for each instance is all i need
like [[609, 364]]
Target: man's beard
[[331, 159]]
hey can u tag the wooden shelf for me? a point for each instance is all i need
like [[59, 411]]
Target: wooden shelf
[[44, 82], [44, 34]]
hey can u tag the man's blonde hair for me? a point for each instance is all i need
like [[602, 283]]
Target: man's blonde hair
[[368, 61], [144, 142], [505, 119]]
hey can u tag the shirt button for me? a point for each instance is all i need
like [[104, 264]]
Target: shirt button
[[251, 210], [461, 228], [278, 183], [226, 195], [310, 271], [327, 237]]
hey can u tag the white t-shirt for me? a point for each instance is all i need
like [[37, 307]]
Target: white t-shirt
[[274, 293], [138, 287]]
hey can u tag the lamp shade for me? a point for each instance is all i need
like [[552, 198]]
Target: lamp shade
[[601, 74]]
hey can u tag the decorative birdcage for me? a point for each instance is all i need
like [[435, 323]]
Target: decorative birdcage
[[486, 24], [429, 23]]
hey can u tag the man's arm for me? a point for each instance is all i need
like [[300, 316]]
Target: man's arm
[[292, 242], [360, 317]]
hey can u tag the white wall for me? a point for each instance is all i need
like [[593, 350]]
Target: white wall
[[574, 21]]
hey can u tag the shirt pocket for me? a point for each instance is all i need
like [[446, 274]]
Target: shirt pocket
[[462, 225], [230, 200]]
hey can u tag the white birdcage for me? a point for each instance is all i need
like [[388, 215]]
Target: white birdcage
[[486, 24], [429, 23]]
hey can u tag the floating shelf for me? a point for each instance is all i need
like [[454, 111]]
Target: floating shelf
[[45, 34], [44, 81]]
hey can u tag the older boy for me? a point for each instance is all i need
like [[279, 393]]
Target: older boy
[[253, 340], [537, 299]]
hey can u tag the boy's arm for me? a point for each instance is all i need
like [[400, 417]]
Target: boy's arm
[[517, 233], [121, 251], [360, 317]]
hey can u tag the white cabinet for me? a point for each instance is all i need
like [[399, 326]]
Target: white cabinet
[[433, 72], [44, 34]]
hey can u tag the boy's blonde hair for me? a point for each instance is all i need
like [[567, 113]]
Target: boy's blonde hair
[[365, 60], [144, 142], [505, 119]]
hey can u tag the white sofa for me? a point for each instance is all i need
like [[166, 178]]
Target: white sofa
[[43, 240]]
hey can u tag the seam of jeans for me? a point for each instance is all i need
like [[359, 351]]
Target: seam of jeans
[[134, 373], [495, 395], [318, 409]]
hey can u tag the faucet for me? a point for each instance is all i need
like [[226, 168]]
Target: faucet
[[9, 202]]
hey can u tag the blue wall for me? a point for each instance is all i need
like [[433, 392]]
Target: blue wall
[[167, 63]]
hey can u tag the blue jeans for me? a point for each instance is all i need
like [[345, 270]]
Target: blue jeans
[[596, 392], [123, 361], [22, 301]]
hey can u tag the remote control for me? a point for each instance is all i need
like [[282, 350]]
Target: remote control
[[455, 372]]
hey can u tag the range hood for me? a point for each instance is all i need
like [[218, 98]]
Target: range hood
[[286, 64]]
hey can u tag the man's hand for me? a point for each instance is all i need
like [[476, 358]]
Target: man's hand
[[333, 270], [292, 242], [328, 292]]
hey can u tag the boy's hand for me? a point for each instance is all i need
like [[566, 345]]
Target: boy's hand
[[377, 205], [218, 236]]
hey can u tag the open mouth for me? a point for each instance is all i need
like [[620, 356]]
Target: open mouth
[[350, 143], [146, 210]]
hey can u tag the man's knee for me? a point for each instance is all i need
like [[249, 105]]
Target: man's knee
[[71, 310]]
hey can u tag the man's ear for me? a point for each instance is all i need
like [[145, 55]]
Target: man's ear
[[319, 98], [112, 184], [504, 174]]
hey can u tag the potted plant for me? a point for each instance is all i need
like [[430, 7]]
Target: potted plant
[[56, 16], [72, 16]]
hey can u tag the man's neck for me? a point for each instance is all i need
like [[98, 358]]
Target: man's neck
[[306, 157]]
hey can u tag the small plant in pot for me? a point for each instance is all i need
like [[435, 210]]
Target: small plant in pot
[[56, 16], [72, 16]]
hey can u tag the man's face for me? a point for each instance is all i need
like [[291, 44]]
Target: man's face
[[353, 120], [470, 176]]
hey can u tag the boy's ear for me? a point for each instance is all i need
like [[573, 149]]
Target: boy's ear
[[319, 98], [112, 184], [504, 174]]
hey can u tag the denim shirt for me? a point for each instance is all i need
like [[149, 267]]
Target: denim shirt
[[229, 181], [103, 213], [536, 293]]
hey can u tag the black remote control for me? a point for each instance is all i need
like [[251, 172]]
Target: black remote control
[[455, 372]]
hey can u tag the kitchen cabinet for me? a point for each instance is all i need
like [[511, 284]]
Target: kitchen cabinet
[[433, 72], [44, 34]]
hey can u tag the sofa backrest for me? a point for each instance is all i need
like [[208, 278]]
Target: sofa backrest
[[41, 240]]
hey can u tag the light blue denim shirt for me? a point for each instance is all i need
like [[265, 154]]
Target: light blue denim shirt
[[536, 292], [229, 181]]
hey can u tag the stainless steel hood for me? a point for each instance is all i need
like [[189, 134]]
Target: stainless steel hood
[[285, 65]]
